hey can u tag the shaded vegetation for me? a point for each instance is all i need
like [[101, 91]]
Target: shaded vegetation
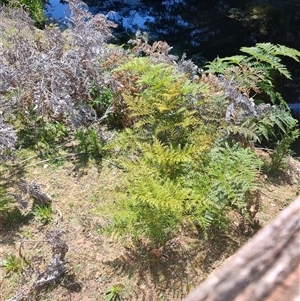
[[184, 139]]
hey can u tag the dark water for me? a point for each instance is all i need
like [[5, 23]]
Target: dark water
[[206, 29]]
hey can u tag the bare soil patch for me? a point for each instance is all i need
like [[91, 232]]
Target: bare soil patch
[[96, 262]]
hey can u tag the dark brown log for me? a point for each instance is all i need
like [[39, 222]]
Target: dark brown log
[[267, 268]]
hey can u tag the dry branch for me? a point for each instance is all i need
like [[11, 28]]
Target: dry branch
[[266, 268], [55, 269], [34, 190]]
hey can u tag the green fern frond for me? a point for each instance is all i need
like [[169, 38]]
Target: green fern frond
[[280, 50], [218, 65], [268, 53], [253, 71], [164, 106], [135, 65], [233, 172], [245, 133], [235, 59], [275, 122], [162, 194]]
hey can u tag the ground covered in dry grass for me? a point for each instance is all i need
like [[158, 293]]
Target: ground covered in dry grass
[[98, 266], [74, 105]]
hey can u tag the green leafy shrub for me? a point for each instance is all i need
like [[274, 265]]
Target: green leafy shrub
[[52, 132], [89, 142], [283, 148], [160, 92], [253, 71], [248, 119], [189, 161], [36, 11], [162, 154], [233, 173], [152, 210], [168, 188], [276, 122], [101, 99]]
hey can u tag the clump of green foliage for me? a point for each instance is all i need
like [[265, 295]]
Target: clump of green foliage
[[232, 175], [187, 165], [12, 264], [185, 138], [253, 71], [43, 214], [174, 173], [35, 9], [250, 119], [89, 142]]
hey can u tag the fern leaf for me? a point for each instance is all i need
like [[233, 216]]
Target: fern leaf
[[280, 50], [268, 53]]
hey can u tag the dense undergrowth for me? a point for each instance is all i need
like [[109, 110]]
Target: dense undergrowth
[[35, 9], [175, 126], [184, 137]]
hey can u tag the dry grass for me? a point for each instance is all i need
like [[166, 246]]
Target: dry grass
[[97, 262]]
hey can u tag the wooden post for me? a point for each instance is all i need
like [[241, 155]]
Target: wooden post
[[267, 268]]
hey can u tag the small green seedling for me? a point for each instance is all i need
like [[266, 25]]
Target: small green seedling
[[113, 293], [12, 264], [43, 214]]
